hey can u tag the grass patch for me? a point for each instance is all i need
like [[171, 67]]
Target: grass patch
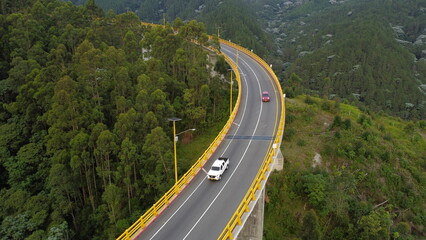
[[188, 154], [365, 159]]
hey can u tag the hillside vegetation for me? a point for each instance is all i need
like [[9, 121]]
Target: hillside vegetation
[[85, 145], [371, 53], [348, 174], [234, 19]]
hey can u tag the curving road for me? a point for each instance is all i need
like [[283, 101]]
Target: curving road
[[204, 207]]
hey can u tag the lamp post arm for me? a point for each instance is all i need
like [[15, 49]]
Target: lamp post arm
[[187, 130]]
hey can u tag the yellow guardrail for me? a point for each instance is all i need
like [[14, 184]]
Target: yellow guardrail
[[265, 167], [168, 197]]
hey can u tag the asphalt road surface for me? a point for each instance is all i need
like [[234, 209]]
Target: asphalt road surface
[[204, 207]]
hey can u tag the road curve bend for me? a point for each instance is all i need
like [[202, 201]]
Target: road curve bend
[[204, 207]]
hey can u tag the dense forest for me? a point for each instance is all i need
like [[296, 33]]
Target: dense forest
[[86, 148], [234, 19], [85, 145], [348, 174], [372, 53]]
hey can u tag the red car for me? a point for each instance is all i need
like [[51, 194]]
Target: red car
[[265, 97]]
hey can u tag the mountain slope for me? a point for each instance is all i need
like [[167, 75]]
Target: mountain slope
[[234, 19], [368, 52], [347, 174]]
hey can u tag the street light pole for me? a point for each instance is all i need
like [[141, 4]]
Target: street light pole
[[230, 100], [174, 144], [174, 120], [174, 149]]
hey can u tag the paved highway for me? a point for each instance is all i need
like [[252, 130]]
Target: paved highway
[[204, 207]]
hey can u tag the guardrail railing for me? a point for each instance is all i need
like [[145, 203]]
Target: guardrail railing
[[265, 168], [170, 195]]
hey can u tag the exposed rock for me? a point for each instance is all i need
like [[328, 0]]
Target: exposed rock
[[355, 67], [349, 13], [421, 37], [418, 42], [200, 8], [402, 41], [288, 4], [357, 96], [317, 160], [329, 58], [409, 105], [304, 53], [398, 30], [336, 1]]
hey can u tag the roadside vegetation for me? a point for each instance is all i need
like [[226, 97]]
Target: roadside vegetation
[[85, 145], [348, 174]]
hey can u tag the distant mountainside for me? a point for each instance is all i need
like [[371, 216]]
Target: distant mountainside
[[234, 19], [371, 53]]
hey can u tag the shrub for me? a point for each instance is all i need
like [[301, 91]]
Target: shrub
[[301, 143], [310, 100], [289, 118], [337, 135], [365, 121], [403, 228], [289, 133], [347, 124], [314, 186], [422, 124], [337, 122], [326, 105]]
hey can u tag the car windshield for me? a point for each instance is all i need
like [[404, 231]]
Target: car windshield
[[265, 95], [215, 168]]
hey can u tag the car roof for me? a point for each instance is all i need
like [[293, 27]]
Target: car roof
[[217, 163], [265, 92]]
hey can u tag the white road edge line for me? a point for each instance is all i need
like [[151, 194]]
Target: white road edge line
[[239, 162], [245, 107]]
